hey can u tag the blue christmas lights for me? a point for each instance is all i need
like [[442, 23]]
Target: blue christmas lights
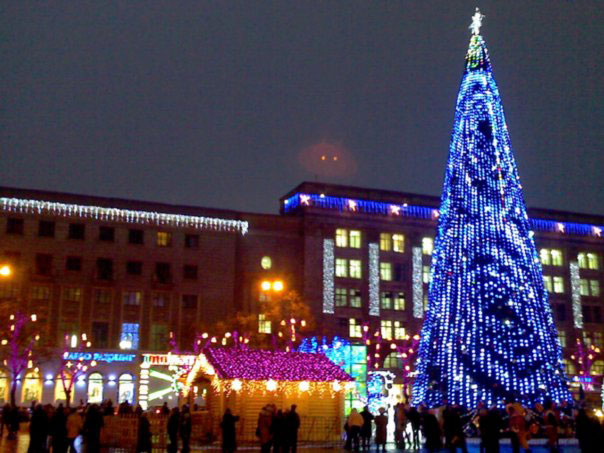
[[488, 333]]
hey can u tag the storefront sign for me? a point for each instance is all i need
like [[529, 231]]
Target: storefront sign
[[108, 357], [168, 359]]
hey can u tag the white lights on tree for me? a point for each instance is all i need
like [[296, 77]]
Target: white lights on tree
[[575, 288], [374, 280], [328, 276], [236, 385], [476, 22], [271, 385], [121, 215], [418, 284]]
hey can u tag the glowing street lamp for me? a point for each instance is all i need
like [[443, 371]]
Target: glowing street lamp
[[5, 270]]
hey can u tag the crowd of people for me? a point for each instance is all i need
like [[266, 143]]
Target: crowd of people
[[448, 427], [277, 429]]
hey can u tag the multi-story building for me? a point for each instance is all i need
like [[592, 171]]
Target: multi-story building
[[128, 273]]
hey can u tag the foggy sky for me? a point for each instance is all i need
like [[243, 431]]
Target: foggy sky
[[228, 104]]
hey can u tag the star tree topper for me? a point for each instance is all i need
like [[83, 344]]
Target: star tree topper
[[476, 22]]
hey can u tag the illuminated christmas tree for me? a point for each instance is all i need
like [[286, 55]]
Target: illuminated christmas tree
[[489, 333]]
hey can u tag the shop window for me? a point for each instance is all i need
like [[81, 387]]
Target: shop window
[[106, 234], [354, 328], [100, 334], [354, 299], [14, 226], [399, 301], [341, 267], [393, 361], [43, 264], [76, 231], [427, 246], [558, 285], [341, 297], [385, 242], [191, 241], [264, 324], [266, 263], [46, 229], [136, 236], [4, 387], [159, 337], [32, 387], [386, 300], [73, 263], [60, 394], [354, 268], [134, 267], [164, 239], [125, 388], [386, 272], [129, 336], [95, 388], [386, 329], [132, 298]]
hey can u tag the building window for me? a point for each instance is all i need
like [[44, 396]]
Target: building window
[[14, 226], [562, 338], [399, 331], [163, 273], [426, 276], [386, 272], [76, 231], [9, 290], [588, 260], [43, 264], [341, 267], [561, 312], [104, 269], [266, 263], [191, 241], [597, 368], [354, 239], [32, 387], [46, 229], [189, 271], [160, 300], [586, 309], [95, 388], [386, 329], [136, 236], [40, 292], [569, 367], [129, 336], [427, 246], [189, 301], [393, 361], [73, 263], [100, 334], [550, 257], [264, 325], [354, 269], [354, 299], [340, 297], [386, 300], [125, 391], [594, 288], [102, 296], [106, 234], [354, 328], [72, 294], [558, 285], [547, 282], [385, 242], [589, 287], [164, 239], [159, 337], [132, 298], [398, 243], [341, 237], [134, 267]]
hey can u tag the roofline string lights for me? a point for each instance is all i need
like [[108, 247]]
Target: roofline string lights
[[23, 206]]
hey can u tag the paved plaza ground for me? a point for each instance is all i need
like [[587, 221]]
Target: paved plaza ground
[[537, 446]]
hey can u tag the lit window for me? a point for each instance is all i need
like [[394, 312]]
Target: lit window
[[594, 288], [72, 294], [129, 336], [597, 368], [266, 262], [354, 328], [341, 297], [399, 301], [385, 242], [95, 388], [355, 239], [545, 257], [550, 257], [132, 297], [547, 282], [569, 367], [588, 261], [355, 298], [425, 303], [562, 338], [341, 237], [584, 287], [427, 246], [393, 361], [159, 337], [398, 243], [125, 390], [426, 277], [558, 285], [355, 268], [264, 325], [60, 394], [164, 239], [598, 339], [32, 387], [386, 329], [556, 257], [399, 331], [341, 267], [386, 272], [386, 300]]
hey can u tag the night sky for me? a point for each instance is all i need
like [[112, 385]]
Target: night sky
[[231, 104]]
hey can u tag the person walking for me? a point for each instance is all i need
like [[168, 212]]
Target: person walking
[[551, 423], [143, 441], [366, 428], [263, 429], [58, 430], [453, 428], [400, 425], [415, 420], [93, 423], [278, 432], [229, 436], [38, 431], [73, 429], [381, 430], [292, 423], [185, 429], [172, 427], [355, 422], [431, 430], [4, 419]]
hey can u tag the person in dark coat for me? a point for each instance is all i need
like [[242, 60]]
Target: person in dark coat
[[13, 423], [165, 410], [172, 426], [431, 430], [490, 425], [453, 427], [381, 430], [292, 424], [143, 441], [414, 419], [93, 423], [366, 428], [38, 431], [58, 430], [263, 429], [229, 436], [278, 432], [4, 421], [185, 429]]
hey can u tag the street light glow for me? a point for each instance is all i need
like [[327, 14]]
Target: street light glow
[[5, 270]]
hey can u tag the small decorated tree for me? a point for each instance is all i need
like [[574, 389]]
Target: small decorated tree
[[74, 363]]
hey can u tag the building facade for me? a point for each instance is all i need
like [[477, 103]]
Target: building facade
[[129, 273]]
